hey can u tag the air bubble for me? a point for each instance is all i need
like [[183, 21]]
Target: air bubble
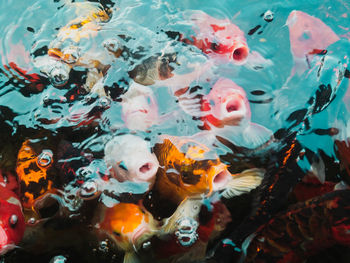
[[103, 246], [58, 259], [45, 158], [88, 189], [268, 16], [59, 74]]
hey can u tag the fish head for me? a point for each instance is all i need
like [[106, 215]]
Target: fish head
[[32, 170], [190, 168], [12, 224], [308, 33], [139, 108], [128, 225], [222, 37], [227, 104], [129, 158]]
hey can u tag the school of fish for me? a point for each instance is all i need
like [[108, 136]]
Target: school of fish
[[186, 191]]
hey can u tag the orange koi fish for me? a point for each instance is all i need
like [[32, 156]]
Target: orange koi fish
[[129, 226], [190, 169], [32, 170]]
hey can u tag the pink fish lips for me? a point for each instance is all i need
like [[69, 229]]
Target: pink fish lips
[[130, 159], [226, 104]]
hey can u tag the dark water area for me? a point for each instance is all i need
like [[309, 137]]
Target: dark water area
[[174, 131]]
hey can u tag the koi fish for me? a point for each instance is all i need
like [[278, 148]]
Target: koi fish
[[62, 57], [226, 106], [129, 158], [128, 226], [304, 229], [154, 69], [139, 108], [308, 36], [219, 38], [191, 227], [32, 170], [86, 24], [12, 224], [190, 169]]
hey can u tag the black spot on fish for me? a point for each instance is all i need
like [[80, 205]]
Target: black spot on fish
[[173, 35], [253, 30], [297, 116], [323, 98], [30, 29], [40, 52], [330, 131]]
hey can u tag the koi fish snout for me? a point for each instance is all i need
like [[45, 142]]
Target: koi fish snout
[[240, 53]]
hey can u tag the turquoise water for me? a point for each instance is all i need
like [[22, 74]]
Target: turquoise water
[[43, 112]]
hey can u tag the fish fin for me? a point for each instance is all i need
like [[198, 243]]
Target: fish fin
[[318, 170], [256, 61], [255, 135], [341, 186], [131, 257], [244, 182]]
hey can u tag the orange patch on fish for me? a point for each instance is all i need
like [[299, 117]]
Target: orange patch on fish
[[32, 170], [188, 169]]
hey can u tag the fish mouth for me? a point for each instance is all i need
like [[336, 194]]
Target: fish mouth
[[233, 110], [240, 54], [140, 235], [147, 170], [220, 178], [5, 244]]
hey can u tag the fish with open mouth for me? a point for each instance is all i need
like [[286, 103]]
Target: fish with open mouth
[[128, 226]]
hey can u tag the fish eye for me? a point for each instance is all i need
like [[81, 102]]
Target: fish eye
[[116, 233], [123, 166], [13, 220], [214, 46]]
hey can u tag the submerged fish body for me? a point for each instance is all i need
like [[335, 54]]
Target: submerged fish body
[[190, 169], [139, 108], [129, 158], [308, 36], [226, 111], [302, 230], [12, 223], [128, 225], [65, 51]]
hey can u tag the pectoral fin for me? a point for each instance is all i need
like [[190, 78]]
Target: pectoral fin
[[244, 182]]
